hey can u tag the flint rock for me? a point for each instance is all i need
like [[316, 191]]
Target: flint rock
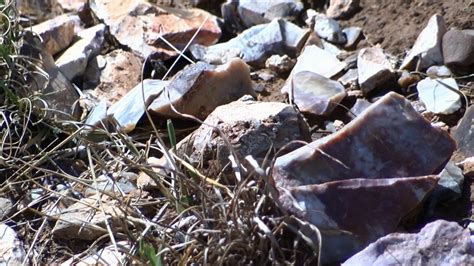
[[244, 14], [438, 98], [318, 61], [427, 47], [127, 111], [440, 242], [360, 106], [198, 89], [6, 207], [280, 64], [315, 94], [458, 48], [464, 134], [352, 35], [140, 25], [468, 167], [438, 72], [12, 251], [353, 213], [73, 62], [252, 128], [389, 139], [342, 8], [350, 78], [373, 68], [121, 73], [256, 44], [57, 33], [326, 27]]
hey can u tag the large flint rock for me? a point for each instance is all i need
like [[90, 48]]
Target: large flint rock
[[390, 139], [464, 134], [373, 68], [438, 243], [352, 213], [198, 89], [458, 48], [252, 128], [315, 94], [244, 14], [256, 44], [437, 97], [427, 47], [139, 25]]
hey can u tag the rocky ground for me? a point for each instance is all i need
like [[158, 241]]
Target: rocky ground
[[250, 132]]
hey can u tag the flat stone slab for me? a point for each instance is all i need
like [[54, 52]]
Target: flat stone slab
[[388, 139]]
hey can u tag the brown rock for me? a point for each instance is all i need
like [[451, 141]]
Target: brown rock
[[458, 48], [464, 134], [342, 8]]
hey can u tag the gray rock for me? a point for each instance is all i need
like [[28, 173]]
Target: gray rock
[[12, 251], [57, 33], [437, 97], [73, 62], [452, 178], [427, 47], [438, 243], [390, 139], [438, 72], [198, 89], [310, 55], [374, 68], [98, 116], [342, 8], [104, 256], [315, 94], [252, 128], [360, 106], [352, 35], [326, 27], [256, 44], [6, 207], [352, 213], [38, 10], [350, 78], [464, 133], [91, 77], [280, 64], [458, 48], [118, 186]]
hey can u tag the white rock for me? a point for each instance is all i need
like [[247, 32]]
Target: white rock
[[352, 35], [11, 249], [326, 27], [105, 256], [374, 68], [319, 61], [438, 71], [438, 98], [428, 45]]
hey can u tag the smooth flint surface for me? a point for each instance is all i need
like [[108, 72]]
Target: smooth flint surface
[[389, 139], [352, 213]]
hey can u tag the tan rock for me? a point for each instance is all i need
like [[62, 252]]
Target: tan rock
[[342, 8], [373, 67]]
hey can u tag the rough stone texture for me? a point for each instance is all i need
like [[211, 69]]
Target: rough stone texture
[[198, 89], [11, 249], [117, 186], [326, 27], [121, 73], [315, 94], [349, 79], [73, 62], [468, 167], [6, 207], [127, 111], [256, 44], [280, 64], [57, 33], [438, 98], [352, 213], [438, 243], [139, 24], [374, 68], [342, 8], [38, 10], [458, 48], [251, 127], [390, 139], [352, 35], [85, 220], [427, 46], [464, 134]]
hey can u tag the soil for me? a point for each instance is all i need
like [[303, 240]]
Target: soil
[[396, 24]]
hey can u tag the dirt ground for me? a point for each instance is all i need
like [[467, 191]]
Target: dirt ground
[[395, 24]]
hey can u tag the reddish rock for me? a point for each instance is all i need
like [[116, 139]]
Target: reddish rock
[[353, 213], [388, 139]]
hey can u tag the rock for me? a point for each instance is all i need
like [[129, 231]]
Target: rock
[[38, 10], [122, 73], [342, 8], [160, 166], [74, 60], [84, 220], [140, 25], [427, 47], [438, 72], [407, 79], [57, 33], [468, 167], [117, 186], [11, 248], [389, 139], [91, 77], [129, 109], [458, 48], [6, 207], [315, 94], [440, 242], [365, 201], [105, 256], [97, 116], [280, 64], [360, 106], [464, 133], [374, 68], [352, 35], [198, 89], [256, 44], [438, 98], [449, 187], [350, 78], [333, 49], [252, 129], [72, 5], [244, 14], [310, 55], [326, 27]]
